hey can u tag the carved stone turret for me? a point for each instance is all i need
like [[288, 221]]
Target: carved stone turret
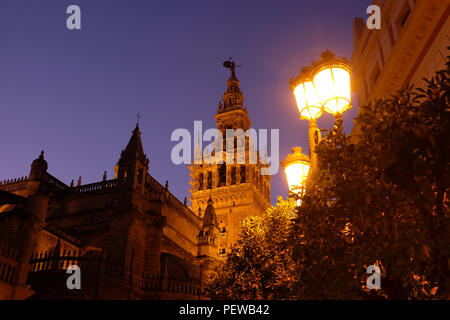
[[37, 176], [208, 251], [38, 168], [207, 238]]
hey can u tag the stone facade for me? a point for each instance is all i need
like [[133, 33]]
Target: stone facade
[[410, 45]]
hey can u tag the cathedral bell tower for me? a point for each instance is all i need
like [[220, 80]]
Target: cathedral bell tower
[[238, 190]]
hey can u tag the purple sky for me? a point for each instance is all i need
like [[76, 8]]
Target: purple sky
[[75, 94]]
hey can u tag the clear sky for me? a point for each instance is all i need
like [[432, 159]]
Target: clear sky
[[75, 94]]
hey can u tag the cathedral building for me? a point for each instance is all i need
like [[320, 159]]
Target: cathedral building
[[238, 189], [130, 237]]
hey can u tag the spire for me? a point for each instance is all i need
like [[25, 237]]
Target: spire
[[57, 250], [198, 155], [233, 97], [133, 163], [134, 149], [231, 112]]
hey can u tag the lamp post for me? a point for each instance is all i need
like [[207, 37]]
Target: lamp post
[[296, 166], [322, 86]]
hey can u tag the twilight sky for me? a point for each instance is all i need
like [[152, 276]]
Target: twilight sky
[[75, 94]]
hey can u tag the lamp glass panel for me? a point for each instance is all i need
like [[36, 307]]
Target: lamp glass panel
[[296, 174], [342, 87], [324, 85], [308, 101], [333, 87]]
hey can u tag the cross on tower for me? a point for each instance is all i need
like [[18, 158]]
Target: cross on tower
[[138, 116]]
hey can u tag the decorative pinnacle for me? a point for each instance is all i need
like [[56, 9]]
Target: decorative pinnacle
[[138, 118], [297, 150], [327, 54]]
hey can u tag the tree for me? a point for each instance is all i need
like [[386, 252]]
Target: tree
[[380, 197], [259, 265]]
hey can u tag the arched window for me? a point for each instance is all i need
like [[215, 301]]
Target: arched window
[[222, 175], [140, 176], [200, 181], [233, 175], [242, 174], [209, 180]]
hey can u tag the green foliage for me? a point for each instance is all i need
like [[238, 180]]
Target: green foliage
[[259, 265], [380, 197]]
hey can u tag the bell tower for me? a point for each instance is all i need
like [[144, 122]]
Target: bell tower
[[237, 189]]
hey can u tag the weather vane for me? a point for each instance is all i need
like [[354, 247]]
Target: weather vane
[[230, 64]]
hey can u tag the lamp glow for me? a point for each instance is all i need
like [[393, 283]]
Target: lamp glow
[[296, 166], [331, 78]]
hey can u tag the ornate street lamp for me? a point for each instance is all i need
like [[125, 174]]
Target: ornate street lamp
[[323, 86], [296, 166]]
